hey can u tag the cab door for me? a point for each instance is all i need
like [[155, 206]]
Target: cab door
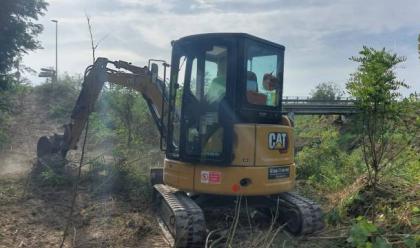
[[205, 135]]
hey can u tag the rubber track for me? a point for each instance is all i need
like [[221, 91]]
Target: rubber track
[[181, 216], [311, 213]]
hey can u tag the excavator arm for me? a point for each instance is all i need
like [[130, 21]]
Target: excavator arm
[[140, 79]]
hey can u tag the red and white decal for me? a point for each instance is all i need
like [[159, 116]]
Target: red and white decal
[[211, 177]]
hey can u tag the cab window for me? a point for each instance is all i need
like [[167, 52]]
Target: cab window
[[263, 67]]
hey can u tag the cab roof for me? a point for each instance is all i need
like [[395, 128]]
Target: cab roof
[[230, 36]]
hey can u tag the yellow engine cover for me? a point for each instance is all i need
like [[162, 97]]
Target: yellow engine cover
[[263, 164]]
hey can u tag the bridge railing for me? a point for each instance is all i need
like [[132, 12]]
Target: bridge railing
[[309, 100]]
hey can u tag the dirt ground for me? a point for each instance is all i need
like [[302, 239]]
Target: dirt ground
[[35, 216], [27, 125]]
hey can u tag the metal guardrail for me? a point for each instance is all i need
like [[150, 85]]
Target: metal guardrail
[[308, 98], [307, 106]]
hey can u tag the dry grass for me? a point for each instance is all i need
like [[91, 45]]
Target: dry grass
[[38, 218], [338, 199]]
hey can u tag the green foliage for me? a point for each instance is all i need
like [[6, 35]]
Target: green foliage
[[361, 231], [101, 128], [61, 96], [18, 30], [123, 177], [375, 87], [125, 112], [49, 177], [418, 45], [322, 161], [326, 91], [18, 36], [4, 137], [412, 241], [406, 166], [335, 216], [10, 103], [121, 117], [5, 109], [375, 84], [364, 234], [122, 122]]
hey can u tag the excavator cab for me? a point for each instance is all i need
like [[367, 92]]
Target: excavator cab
[[227, 135], [217, 81]]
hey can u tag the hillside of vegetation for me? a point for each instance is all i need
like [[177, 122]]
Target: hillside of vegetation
[[113, 203]]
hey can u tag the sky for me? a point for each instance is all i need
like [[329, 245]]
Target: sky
[[319, 35]]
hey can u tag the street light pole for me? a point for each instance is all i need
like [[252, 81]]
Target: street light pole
[[56, 50]]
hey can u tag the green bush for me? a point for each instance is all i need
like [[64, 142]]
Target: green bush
[[364, 234], [123, 177], [49, 177], [60, 97], [4, 137], [5, 109], [322, 160], [407, 167], [101, 128], [125, 113], [11, 96]]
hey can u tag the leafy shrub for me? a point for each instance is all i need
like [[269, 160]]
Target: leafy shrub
[[11, 96], [126, 114], [406, 167], [322, 161], [49, 177], [365, 234], [4, 120], [123, 177], [60, 97], [361, 233], [101, 128]]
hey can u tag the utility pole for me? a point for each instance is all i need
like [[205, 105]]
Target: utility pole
[[56, 50]]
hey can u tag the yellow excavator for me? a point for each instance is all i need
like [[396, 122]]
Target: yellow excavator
[[221, 126]]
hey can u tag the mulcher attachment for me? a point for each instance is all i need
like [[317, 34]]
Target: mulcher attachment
[[50, 145]]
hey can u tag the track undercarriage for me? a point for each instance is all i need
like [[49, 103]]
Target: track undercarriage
[[181, 216]]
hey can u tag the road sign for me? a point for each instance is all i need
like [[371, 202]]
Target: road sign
[[47, 72]]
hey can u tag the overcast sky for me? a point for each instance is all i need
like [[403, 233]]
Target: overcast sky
[[319, 36]]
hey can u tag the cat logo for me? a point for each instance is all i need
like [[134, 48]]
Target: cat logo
[[277, 141]]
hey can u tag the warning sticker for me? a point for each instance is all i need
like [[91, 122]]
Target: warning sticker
[[211, 177]]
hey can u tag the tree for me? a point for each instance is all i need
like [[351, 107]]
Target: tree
[[326, 91], [18, 31], [418, 45], [376, 89]]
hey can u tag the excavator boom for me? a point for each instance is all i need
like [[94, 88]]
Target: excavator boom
[[140, 79]]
